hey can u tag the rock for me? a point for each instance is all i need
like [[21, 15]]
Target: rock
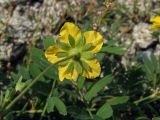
[[142, 35], [5, 51], [19, 1], [157, 51], [141, 5], [140, 42], [20, 26], [4, 2], [30, 20], [4, 17]]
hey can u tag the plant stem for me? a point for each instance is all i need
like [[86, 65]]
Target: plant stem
[[30, 111], [50, 94], [27, 88], [145, 98], [32, 83], [154, 81], [90, 113], [88, 109]]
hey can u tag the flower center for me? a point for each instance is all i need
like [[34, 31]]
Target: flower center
[[77, 57], [75, 52]]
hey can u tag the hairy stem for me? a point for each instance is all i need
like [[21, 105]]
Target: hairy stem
[[145, 98], [50, 94], [31, 84]]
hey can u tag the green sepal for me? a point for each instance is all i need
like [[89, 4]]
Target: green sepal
[[62, 54], [87, 55], [80, 81], [86, 66], [81, 41], [71, 41], [64, 46], [87, 47], [64, 62], [78, 67], [70, 68]]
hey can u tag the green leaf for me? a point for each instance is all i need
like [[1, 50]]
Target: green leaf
[[156, 118], [82, 116], [105, 111], [70, 93], [15, 76], [23, 72], [118, 100], [115, 26], [154, 61], [50, 104], [111, 42], [48, 41], [148, 65], [34, 70], [60, 106], [87, 26], [151, 67], [52, 73], [71, 41], [113, 50], [97, 118], [7, 95], [80, 81], [142, 118], [158, 64], [56, 102], [20, 85], [97, 87], [36, 54]]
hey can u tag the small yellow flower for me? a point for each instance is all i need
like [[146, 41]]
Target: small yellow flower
[[82, 48], [156, 22]]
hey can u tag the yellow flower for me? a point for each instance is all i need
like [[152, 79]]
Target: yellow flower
[[82, 48], [156, 22]]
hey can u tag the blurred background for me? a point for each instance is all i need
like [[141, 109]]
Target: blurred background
[[25, 23]]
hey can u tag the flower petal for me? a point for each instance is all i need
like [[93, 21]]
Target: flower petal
[[63, 73], [155, 19], [73, 75], [69, 29], [51, 52], [95, 38], [95, 69], [155, 26]]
